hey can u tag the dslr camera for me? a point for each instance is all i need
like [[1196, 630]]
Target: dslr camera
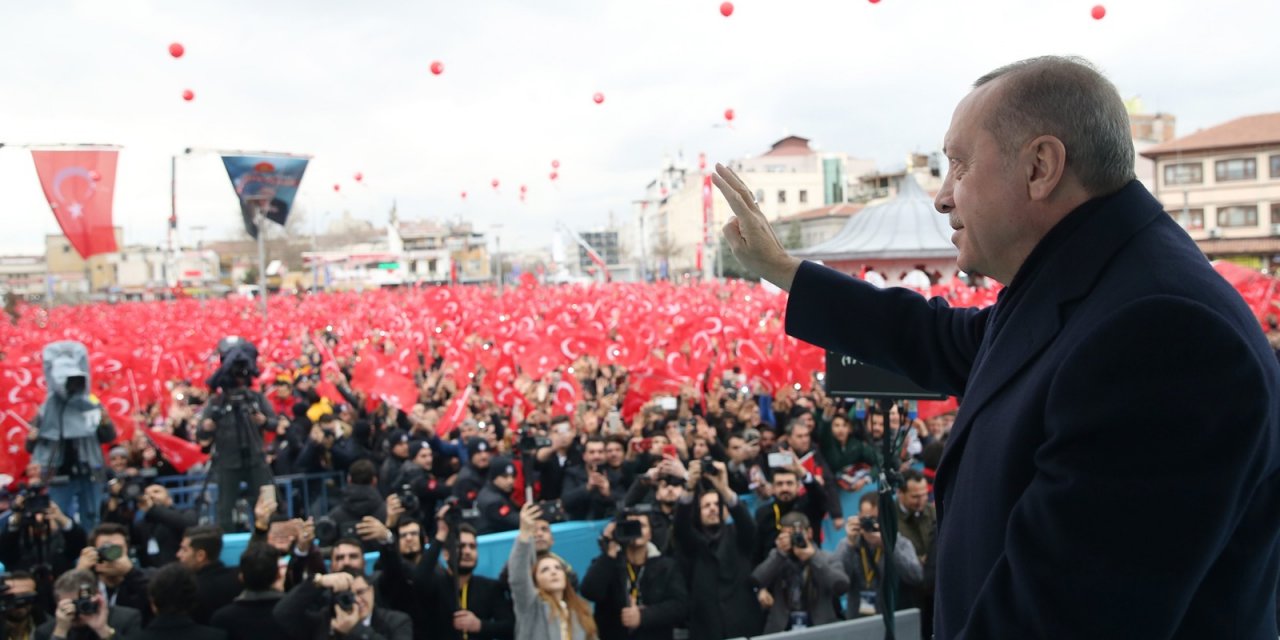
[[709, 466], [869, 524], [329, 533], [345, 600], [35, 498], [408, 499], [110, 552], [85, 602], [530, 441]]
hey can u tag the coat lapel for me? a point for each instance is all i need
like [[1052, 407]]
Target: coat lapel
[[1066, 275]]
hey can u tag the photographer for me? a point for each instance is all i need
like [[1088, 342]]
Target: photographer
[[82, 613], [200, 552], [232, 422], [347, 608], [69, 431], [638, 592], [450, 601], [799, 583], [787, 499], [160, 532], [660, 488], [420, 490], [592, 490], [249, 616], [861, 554], [39, 538], [20, 607], [717, 556], [173, 595], [107, 557]]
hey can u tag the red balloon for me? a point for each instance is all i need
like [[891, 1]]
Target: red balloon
[[464, 195], [176, 49], [873, 1], [554, 175], [494, 183], [728, 115], [555, 164], [337, 187], [1099, 12], [264, 167], [523, 188], [598, 97], [726, 9], [437, 67], [359, 176], [702, 161], [188, 95]]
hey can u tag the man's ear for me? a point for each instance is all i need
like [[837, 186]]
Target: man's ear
[[1045, 165]]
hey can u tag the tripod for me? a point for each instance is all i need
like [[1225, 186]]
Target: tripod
[[235, 402]]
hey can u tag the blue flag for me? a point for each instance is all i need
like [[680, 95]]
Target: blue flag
[[265, 183]]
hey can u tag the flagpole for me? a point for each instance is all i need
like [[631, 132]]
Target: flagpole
[[260, 220]]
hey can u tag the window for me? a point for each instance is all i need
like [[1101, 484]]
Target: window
[[782, 196], [1238, 216], [759, 196], [1275, 166], [804, 196], [1186, 173], [1236, 169], [1189, 219], [1275, 213]]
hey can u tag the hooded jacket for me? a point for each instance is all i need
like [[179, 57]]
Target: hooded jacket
[[73, 421]]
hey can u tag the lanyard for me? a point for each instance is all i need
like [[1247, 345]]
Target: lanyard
[[633, 582], [869, 572], [777, 517], [462, 601]]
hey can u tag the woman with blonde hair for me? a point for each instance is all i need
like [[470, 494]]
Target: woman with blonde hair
[[545, 604]]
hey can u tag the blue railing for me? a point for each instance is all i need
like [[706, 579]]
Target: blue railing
[[300, 494]]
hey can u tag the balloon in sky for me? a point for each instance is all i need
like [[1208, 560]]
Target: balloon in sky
[[726, 9], [702, 161], [728, 115], [337, 188], [1099, 12], [494, 183], [464, 195], [359, 176], [555, 164], [598, 97], [523, 188], [188, 95], [873, 1], [554, 175], [437, 67], [176, 49]]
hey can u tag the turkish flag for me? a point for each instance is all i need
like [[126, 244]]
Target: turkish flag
[[455, 414], [13, 439], [78, 186], [182, 454]]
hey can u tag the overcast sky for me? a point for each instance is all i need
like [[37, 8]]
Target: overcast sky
[[348, 82]]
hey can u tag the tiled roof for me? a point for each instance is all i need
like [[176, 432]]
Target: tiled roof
[[1247, 131], [839, 210]]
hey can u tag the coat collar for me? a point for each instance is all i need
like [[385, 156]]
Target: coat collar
[[1065, 273]]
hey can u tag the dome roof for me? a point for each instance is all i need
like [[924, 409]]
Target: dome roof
[[905, 226]]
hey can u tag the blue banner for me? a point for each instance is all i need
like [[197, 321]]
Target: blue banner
[[265, 183]]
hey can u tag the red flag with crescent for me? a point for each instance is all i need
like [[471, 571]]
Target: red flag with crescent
[[79, 186]]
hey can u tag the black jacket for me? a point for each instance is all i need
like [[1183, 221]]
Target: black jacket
[[663, 597], [297, 613], [497, 511], [436, 598], [217, 585], [661, 525], [166, 525], [358, 501], [551, 474], [768, 519], [132, 592], [125, 620], [249, 617], [583, 504], [1106, 342], [467, 488], [167, 626], [21, 551], [718, 566], [237, 441]]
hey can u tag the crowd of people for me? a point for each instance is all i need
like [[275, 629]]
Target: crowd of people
[[95, 547]]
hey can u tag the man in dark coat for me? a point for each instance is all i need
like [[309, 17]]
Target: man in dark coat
[[68, 623], [1119, 384], [450, 600], [638, 596], [216, 583], [303, 612], [249, 616], [717, 556], [498, 512], [361, 497], [173, 595]]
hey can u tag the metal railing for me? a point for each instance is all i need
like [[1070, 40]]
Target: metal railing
[[301, 494]]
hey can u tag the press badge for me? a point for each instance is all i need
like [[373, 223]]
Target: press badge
[[153, 547], [866, 603]]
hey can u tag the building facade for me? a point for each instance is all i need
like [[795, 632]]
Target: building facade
[[1222, 184]]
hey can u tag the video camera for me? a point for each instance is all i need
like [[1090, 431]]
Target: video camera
[[626, 530], [238, 364], [454, 515]]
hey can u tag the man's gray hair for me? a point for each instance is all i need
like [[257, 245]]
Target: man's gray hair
[[1068, 98], [71, 581]]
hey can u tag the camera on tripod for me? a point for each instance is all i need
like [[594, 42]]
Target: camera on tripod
[[238, 364]]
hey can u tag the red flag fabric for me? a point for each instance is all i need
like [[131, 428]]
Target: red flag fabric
[[13, 451], [455, 414], [182, 454], [930, 408], [78, 186]]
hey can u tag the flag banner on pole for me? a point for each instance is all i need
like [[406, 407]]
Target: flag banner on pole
[[79, 185], [266, 181]]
